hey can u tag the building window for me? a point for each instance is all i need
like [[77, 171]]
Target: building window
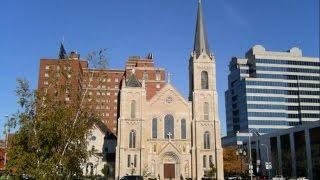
[[133, 109], [129, 160], [206, 140], [145, 75], [154, 128], [132, 139], [158, 86], [46, 75], [210, 161], [204, 161], [204, 80], [169, 126], [135, 161], [47, 67], [183, 129], [154, 148], [158, 77], [116, 80], [206, 111]]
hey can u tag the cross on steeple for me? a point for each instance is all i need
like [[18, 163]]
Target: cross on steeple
[[169, 77]]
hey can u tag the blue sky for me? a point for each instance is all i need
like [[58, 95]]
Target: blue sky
[[30, 30]]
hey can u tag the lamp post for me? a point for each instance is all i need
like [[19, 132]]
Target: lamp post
[[250, 154], [268, 164], [132, 169], [241, 153]]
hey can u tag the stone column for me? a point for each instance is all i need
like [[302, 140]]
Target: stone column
[[293, 156], [279, 153], [308, 151]]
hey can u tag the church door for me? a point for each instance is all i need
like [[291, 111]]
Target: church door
[[169, 171]]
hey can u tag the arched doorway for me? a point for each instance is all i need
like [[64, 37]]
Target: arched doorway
[[170, 166]]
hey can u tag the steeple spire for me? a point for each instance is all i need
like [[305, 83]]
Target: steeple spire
[[200, 41], [62, 52]]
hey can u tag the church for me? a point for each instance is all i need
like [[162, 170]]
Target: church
[[167, 136]]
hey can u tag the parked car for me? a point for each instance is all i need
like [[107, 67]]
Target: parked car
[[132, 178]]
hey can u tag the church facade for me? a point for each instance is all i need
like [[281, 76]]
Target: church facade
[[167, 136]]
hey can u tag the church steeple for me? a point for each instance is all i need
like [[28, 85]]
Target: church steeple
[[62, 52], [201, 40]]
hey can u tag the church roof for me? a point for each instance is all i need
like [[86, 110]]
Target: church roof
[[103, 128], [201, 40], [133, 81], [62, 52]]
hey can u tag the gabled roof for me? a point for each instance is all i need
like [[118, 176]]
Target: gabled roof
[[103, 128], [166, 88], [133, 81]]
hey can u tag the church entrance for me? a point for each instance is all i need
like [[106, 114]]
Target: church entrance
[[169, 171], [170, 166]]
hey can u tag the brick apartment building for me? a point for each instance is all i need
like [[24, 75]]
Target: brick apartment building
[[101, 86]]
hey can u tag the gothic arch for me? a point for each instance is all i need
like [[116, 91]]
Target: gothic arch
[[204, 80]]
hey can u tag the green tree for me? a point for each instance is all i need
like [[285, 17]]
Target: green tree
[[51, 136], [43, 130]]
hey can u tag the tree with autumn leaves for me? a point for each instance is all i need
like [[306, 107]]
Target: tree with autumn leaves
[[233, 164]]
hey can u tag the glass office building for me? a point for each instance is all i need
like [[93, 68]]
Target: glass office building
[[270, 91]]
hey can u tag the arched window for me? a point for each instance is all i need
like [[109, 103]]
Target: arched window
[[133, 109], [206, 140], [204, 161], [168, 126], [210, 161], [206, 111], [183, 129], [132, 139], [204, 80], [129, 160], [154, 128], [135, 161]]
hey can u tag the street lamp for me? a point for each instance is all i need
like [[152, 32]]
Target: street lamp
[[241, 153], [132, 169], [268, 164], [250, 154]]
